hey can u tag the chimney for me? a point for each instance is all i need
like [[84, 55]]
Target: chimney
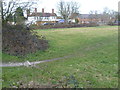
[[52, 11], [42, 10], [35, 10]]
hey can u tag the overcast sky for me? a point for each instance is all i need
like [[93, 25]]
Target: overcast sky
[[85, 5]]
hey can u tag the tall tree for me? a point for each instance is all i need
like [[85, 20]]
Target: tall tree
[[108, 15], [65, 9], [9, 17], [9, 7], [93, 16]]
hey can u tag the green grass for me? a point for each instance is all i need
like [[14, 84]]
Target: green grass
[[95, 63], [66, 41]]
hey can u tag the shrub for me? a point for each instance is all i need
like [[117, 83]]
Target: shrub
[[112, 23], [16, 40], [63, 25], [76, 21]]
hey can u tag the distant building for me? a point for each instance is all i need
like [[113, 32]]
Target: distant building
[[41, 17], [92, 18]]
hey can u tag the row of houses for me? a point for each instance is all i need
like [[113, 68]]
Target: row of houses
[[93, 18], [43, 17]]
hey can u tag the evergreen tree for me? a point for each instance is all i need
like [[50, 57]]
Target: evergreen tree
[[19, 16], [76, 21]]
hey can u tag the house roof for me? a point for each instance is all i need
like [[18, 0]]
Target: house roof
[[43, 14], [82, 16], [88, 16], [74, 15]]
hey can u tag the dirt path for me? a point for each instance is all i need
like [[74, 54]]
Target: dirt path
[[27, 63]]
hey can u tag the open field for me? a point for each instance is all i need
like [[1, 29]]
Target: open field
[[95, 63]]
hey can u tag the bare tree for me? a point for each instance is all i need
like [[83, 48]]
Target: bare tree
[[93, 16], [65, 9], [9, 7], [108, 15], [106, 10]]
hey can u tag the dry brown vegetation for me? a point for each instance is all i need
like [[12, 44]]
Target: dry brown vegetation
[[19, 41]]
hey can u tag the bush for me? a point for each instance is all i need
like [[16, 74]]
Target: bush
[[59, 25], [16, 40], [76, 21], [112, 23]]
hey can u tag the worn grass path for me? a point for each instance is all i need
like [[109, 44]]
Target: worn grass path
[[27, 63]]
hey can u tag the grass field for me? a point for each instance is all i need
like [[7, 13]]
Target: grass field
[[95, 63]]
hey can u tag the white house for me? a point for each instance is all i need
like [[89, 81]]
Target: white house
[[41, 17]]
